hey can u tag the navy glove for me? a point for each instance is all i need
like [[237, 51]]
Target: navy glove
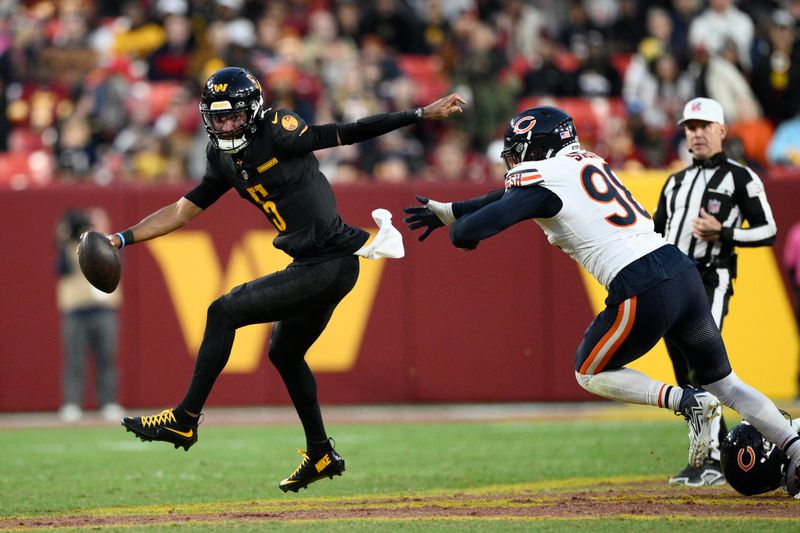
[[430, 215]]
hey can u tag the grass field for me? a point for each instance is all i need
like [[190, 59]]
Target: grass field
[[607, 474]]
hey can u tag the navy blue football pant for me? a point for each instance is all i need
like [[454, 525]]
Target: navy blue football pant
[[718, 283], [677, 310]]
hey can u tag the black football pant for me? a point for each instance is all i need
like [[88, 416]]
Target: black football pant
[[299, 300]]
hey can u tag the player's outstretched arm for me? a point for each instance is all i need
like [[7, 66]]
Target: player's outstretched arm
[[433, 214], [376, 125], [163, 221], [295, 138]]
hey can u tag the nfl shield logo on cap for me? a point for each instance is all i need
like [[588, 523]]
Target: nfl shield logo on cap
[[704, 109]]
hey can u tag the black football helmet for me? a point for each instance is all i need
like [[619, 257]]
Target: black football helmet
[[230, 91], [751, 464], [537, 133]]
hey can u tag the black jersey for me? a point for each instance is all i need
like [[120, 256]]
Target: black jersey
[[278, 173]]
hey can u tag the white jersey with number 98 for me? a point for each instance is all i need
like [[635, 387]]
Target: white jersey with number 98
[[600, 225]]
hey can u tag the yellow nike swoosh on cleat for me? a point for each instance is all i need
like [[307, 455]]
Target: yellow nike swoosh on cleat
[[187, 434]]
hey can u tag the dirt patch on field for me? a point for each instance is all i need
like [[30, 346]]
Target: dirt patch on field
[[646, 499]]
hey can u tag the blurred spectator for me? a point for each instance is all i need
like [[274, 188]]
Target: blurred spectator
[[629, 28], [325, 54], [544, 76], [659, 33], [394, 23], [40, 101], [436, 31], [520, 26], [88, 322], [491, 99], [722, 21], [451, 161], [263, 55], [657, 89], [597, 76], [619, 149], [74, 150], [106, 94], [683, 12], [172, 59], [69, 55], [718, 79], [348, 17], [136, 36], [575, 33], [776, 72], [392, 168], [754, 132], [784, 148]]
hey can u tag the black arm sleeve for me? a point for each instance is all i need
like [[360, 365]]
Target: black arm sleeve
[[473, 204], [516, 205], [302, 138], [375, 125]]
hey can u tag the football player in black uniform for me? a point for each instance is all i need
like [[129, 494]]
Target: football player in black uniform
[[267, 156]]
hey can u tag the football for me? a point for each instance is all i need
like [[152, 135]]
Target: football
[[99, 261]]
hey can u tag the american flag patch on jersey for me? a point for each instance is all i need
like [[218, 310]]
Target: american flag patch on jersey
[[523, 179]]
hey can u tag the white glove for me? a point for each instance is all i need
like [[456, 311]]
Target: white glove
[[443, 211]]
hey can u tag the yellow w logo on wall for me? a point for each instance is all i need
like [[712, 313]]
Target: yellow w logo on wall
[[195, 278], [220, 87]]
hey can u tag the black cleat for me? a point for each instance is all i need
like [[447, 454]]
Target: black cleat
[[313, 469], [708, 473], [164, 427], [791, 480]]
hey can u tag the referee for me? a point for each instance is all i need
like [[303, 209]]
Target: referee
[[701, 211]]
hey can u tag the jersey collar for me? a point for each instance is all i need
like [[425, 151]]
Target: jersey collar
[[712, 162]]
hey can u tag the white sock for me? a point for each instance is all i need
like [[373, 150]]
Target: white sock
[[631, 386]]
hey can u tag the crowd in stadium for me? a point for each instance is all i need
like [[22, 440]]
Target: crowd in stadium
[[106, 92]]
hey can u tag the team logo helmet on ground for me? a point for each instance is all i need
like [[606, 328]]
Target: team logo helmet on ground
[[751, 464], [537, 133], [230, 91]]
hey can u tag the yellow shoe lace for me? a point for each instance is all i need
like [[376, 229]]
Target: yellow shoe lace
[[302, 463], [164, 417]]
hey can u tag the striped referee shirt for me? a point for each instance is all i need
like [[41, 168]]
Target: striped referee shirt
[[730, 192]]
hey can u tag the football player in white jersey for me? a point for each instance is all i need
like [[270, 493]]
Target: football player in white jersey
[[654, 290]]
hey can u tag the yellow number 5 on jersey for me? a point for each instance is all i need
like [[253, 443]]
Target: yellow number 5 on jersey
[[259, 194]]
